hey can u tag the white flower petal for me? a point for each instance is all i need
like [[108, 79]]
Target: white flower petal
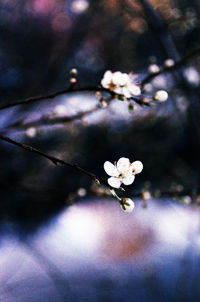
[[108, 75], [105, 82], [114, 182], [126, 92], [128, 208], [117, 78], [110, 169], [128, 180], [124, 80], [134, 90], [123, 164], [137, 166]]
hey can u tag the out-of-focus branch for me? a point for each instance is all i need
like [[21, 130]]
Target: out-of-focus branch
[[53, 159], [34, 99], [158, 27], [176, 65], [49, 120]]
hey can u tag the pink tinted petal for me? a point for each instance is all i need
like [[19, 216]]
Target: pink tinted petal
[[110, 169], [123, 164], [114, 182], [128, 180], [137, 166]]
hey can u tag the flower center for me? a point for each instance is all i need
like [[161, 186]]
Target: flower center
[[111, 85]]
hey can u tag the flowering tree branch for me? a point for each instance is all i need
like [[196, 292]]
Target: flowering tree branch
[[126, 203], [70, 89]]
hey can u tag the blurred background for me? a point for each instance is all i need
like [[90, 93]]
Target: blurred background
[[62, 237]]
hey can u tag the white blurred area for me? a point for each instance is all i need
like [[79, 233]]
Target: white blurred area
[[96, 237], [100, 230]]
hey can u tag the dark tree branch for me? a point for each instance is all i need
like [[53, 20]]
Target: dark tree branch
[[53, 159]]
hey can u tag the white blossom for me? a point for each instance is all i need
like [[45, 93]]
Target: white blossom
[[127, 205], [120, 83], [161, 96], [123, 172]]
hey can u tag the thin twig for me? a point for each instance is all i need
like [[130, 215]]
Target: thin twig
[[53, 159], [171, 68]]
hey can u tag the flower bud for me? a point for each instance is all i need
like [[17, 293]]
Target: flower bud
[[127, 205], [153, 68], [103, 103], [73, 72], [73, 80], [98, 94], [160, 96]]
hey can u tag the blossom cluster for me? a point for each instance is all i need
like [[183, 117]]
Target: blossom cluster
[[120, 83], [124, 85]]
